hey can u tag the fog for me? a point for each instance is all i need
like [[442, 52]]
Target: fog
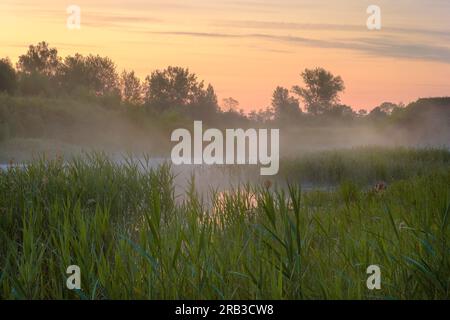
[[122, 136]]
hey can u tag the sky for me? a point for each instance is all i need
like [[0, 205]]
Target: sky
[[246, 48]]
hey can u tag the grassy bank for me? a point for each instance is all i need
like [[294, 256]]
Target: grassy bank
[[124, 227], [364, 165]]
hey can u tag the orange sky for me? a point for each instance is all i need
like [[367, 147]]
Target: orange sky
[[246, 48]]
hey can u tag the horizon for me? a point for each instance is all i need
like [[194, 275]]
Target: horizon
[[265, 45]]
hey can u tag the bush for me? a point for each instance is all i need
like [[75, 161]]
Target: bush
[[35, 84], [8, 77]]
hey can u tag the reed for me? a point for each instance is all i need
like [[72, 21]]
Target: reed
[[133, 238]]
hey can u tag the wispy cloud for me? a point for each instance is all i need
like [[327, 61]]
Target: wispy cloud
[[293, 26], [377, 46], [96, 19]]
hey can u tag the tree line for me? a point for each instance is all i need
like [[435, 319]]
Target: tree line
[[42, 72]]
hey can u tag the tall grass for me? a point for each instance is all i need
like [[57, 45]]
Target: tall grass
[[134, 239], [364, 165]]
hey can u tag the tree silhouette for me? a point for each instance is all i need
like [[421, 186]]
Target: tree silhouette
[[285, 107], [176, 87], [341, 111], [73, 73], [262, 116], [171, 87], [37, 70], [230, 104], [321, 90], [205, 106], [95, 73], [130, 87], [362, 112], [39, 59], [388, 107], [8, 77], [102, 74]]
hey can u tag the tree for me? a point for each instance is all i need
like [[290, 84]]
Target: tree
[[171, 87], [176, 87], [385, 110], [321, 90], [73, 73], [130, 87], [8, 77], [285, 107], [378, 114], [253, 116], [388, 107], [102, 75], [205, 106], [230, 104], [362, 112], [39, 59], [341, 111], [37, 70], [95, 73], [262, 116]]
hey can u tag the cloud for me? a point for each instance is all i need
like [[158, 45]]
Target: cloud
[[385, 46], [393, 48], [95, 19], [195, 34], [275, 25]]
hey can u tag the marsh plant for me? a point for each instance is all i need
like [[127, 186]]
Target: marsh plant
[[133, 238]]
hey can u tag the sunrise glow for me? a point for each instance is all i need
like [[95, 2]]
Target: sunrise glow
[[246, 48]]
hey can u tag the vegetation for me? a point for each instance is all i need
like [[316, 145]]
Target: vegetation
[[175, 95], [364, 166], [8, 81], [133, 238], [321, 90]]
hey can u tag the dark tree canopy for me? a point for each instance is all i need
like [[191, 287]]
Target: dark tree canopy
[[176, 87], [102, 74], [285, 106], [95, 73], [388, 107], [341, 111], [130, 87], [177, 93], [321, 90], [8, 77], [384, 110], [205, 106], [172, 87], [39, 59], [73, 72], [230, 104]]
